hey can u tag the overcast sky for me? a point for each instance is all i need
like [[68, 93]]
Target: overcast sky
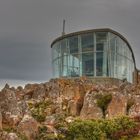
[[27, 28]]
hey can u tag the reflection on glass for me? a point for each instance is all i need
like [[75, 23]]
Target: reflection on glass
[[101, 41], [64, 50], [73, 44], [81, 55], [73, 68], [99, 64], [87, 64], [87, 42]]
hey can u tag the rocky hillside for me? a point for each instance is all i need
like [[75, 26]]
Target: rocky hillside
[[25, 113]]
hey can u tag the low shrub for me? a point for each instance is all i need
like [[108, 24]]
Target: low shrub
[[42, 133], [102, 129], [84, 130], [14, 130], [103, 102], [136, 119], [38, 110], [130, 103], [126, 133]]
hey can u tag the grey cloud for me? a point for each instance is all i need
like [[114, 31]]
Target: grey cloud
[[27, 28]]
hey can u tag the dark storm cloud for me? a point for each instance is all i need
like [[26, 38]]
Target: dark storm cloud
[[24, 60], [27, 28]]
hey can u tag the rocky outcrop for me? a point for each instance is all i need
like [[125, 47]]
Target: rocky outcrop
[[117, 106], [29, 127], [60, 101], [135, 109], [35, 91], [8, 136], [12, 136], [10, 111], [90, 109]]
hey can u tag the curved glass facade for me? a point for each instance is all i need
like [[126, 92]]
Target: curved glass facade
[[93, 54]]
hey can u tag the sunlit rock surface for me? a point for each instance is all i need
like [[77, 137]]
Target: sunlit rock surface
[[60, 101]]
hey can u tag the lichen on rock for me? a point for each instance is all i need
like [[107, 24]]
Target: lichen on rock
[[50, 107]]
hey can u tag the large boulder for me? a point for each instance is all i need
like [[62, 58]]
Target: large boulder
[[90, 110], [8, 136], [74, 95], [135, 108], [19, 93], [35, 91], [117, 106], [50, 120], [54, 89], [39, 92], [23, 107], [29, 127], [73, 108], [10, 110], [12, 136]]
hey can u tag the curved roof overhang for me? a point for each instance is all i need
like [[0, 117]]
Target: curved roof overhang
[[95, 30]]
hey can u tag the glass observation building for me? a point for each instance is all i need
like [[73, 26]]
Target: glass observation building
[[93, 53]]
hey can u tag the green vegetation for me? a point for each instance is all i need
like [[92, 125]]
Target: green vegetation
[[135, 138], [38, 110], [130, 103], [84, 130], [9, 130], [13, 130], [42, 133], [103, 101], [101, 129]]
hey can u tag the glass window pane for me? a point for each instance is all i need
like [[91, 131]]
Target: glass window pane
[[88, 64], [99, 64], [73, 44], [87, 42], [118, 45], [65, 60], [64, 49], [56, 51], [112, 43], [56, 68], [101, 41], [73, 65], [64, 70]]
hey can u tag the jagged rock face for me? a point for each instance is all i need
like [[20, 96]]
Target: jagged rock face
[[12, 136], [10, 111], [0, 121], [35, 91], [117, 105], [29, 127], [19, 93], [90, 109], [55, 90], [8, 101], [39, 93], [73, 108], [68, 98], [23, 108], [50, 120], [75, 99], [8, 136], [135, 109]]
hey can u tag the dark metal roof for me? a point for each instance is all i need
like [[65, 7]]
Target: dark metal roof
[[95, 30]]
